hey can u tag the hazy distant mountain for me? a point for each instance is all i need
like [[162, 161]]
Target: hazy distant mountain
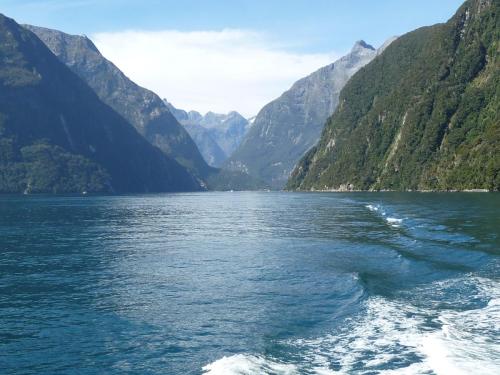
[[423, 115], [290, 125], [216, 135], [141, 107], [208, 146], [57, 136]]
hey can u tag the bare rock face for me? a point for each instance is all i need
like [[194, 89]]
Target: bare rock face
[[290, 125], [141, 107]]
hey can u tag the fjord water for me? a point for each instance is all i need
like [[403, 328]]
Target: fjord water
[[250, 283]]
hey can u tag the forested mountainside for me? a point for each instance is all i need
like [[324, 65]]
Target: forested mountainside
[[141, 107], [285, 129], [56, 136], [425, 114]]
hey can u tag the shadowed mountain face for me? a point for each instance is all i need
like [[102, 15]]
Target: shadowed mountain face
[[423, 115], [290, 125], [57, 136], [216, 135], [141, 107]]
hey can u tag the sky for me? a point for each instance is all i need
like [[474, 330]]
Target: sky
[[223, 55]]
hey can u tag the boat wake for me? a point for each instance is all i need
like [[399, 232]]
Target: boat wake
[[393, 337], [392, 221], [248, 364]]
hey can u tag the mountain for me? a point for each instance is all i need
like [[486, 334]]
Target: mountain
[[141, 107], [57, 136], [227, 130], [423, 115], [216, 135], [208, 146], [184, 117], [290, 125]]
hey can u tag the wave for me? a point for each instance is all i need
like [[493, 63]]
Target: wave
[[371, 207], [241, 364], [393, 337], [392, 221], [467, 342], [421, 228]]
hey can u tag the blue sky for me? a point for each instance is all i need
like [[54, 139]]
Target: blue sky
[[313, 25], [310, 33]]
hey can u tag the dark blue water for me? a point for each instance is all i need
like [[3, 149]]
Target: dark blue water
[[250, 283]]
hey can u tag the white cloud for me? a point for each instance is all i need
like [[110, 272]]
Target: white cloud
[[209, 70]]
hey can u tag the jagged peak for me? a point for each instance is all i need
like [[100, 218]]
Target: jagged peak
[[362, 45], [63, 37], [234, 114]]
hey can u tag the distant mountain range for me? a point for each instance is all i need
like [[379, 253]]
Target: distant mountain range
[[289, 126], [419, 113], [424, 115], [57, 136], [143, 109], [216, 135]]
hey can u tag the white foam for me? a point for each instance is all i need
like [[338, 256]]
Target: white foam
[[466, 342], [242, 364], [393, 221], [372, 207], [385, 333], [394, 338]]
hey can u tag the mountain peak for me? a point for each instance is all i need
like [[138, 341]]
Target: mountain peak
[[57, 40], [91, 146], [362, 45]]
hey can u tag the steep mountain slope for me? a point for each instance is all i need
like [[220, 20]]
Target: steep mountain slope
[[211, 151], [425, 114], [290, 125], [228, 130], [141, 107], [57, 136], [216, 135]]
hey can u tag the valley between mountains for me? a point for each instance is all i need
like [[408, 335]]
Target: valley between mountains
[[420, 112]]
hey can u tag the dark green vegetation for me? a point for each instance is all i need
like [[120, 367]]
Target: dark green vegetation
[[423, 115], [57, 136], [290, 125], [139, 106], [142, 108], [45, 168]]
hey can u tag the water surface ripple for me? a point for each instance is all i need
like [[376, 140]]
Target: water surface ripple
[[250, 283]]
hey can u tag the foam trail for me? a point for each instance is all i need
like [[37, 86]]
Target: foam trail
[[392, 221], [468, 340], [393, 337], [241, 364]]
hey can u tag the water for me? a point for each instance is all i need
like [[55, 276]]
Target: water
[[250, 283]]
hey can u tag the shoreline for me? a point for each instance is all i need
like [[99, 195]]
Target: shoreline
[[47, 194], [391, 191]]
